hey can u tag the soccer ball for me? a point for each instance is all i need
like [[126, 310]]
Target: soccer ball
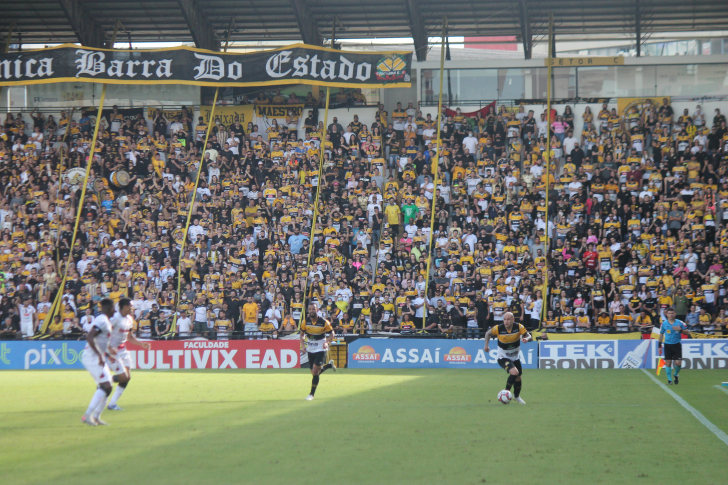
[[505, 396]]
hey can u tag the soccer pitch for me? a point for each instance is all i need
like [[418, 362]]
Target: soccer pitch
[[365, 426]]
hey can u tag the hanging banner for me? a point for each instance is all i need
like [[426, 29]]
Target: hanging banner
[[625, 105], [61, 94], [168, 113], [284, 114], [228, 114], [279, 110], [490, 108], [128, 114], [294, 64]]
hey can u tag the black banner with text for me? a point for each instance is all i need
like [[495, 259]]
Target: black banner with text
[[295, 64]]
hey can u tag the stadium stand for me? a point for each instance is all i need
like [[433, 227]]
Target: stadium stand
[[636, 209]]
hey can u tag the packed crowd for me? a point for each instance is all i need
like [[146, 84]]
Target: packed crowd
[[636, 209]]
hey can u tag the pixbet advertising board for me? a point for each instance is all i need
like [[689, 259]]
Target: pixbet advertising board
[[41, 355], [369, 353]]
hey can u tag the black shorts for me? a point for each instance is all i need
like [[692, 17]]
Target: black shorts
[[673, 351], [316, 358], [508, 364]]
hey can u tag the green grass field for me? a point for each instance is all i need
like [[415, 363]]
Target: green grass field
[[413, 426]]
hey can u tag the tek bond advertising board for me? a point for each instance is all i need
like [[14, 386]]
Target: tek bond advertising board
[[629, 354]]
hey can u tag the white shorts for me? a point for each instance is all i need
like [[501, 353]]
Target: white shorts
[[512, 355], [100, 373], [26, 329], [121, 363]]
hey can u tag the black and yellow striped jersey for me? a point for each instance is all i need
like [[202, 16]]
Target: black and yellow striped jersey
[[316, 328], [508, 339]]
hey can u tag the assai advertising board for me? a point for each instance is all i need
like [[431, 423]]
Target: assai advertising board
[[370, 353]]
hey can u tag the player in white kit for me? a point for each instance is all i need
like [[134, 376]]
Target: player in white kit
[[119, 358], [94, 360]]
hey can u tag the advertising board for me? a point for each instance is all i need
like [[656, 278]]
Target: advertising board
[[372, 353], [172, 354]]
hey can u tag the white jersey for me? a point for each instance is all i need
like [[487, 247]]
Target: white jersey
[[103, 326], [26, 314], [120, 330]]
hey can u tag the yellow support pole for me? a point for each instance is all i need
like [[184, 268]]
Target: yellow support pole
[[60, 174], [544, 291], [117, 25], [57, 301], [59, 295], [189, 212], [11, 30], [437, 163], [210, 122], [315, 207]]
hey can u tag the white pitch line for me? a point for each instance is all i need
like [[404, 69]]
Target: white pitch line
[[722, 389], [703, 420]]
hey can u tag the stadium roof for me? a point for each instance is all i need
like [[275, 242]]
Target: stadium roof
[[205, 22]]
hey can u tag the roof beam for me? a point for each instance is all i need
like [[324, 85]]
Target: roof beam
[[418, 30], [306, 23], [525, 30], [638, 27], [87, 31], [202, 32]]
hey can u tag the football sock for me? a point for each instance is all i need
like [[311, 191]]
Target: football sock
[[517, 389], [509, 383], [677, 370], [117, 394], [314, 383], [668, 370], [99, 396], [100, 408], [325, 368]]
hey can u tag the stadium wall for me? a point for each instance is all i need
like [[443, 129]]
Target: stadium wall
[[587, 354], [368, 353]]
